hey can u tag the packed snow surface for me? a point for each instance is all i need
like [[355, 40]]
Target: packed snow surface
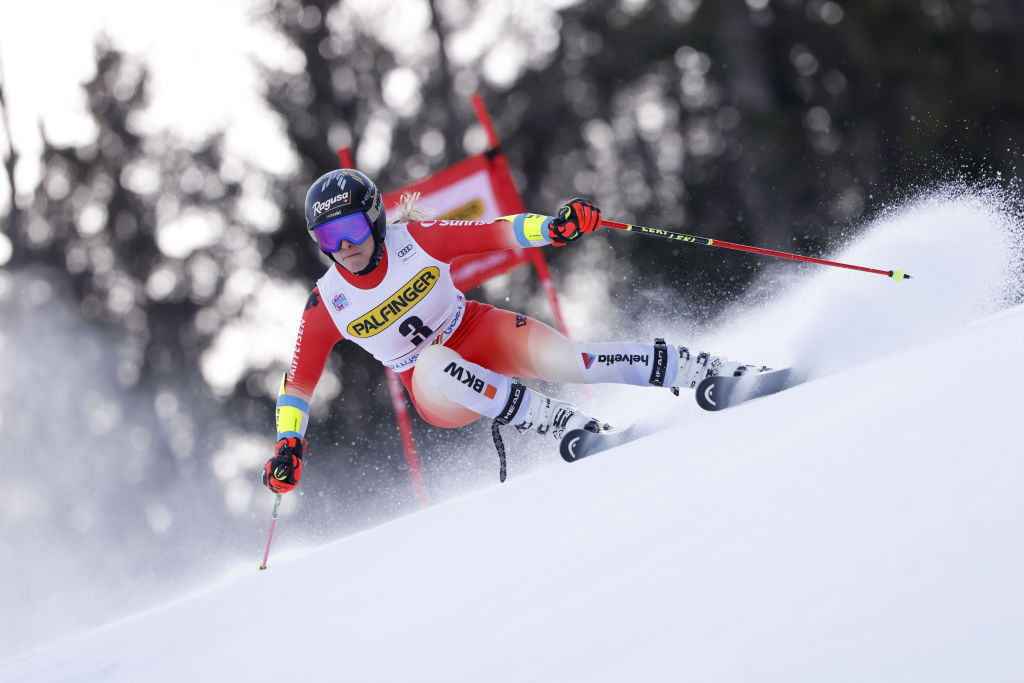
[[864, 526]]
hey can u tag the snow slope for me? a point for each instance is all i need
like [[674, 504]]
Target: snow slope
[[863, 526]]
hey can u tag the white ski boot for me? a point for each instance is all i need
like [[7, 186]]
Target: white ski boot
[[693, 367], [551, 416], [544, 415]]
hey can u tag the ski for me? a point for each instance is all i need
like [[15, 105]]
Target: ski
[[719, 393], [579, 443]]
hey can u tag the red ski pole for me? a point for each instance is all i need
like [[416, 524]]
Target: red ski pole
[[273, 523], [896, 275]]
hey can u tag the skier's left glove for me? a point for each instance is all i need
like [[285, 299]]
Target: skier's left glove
[[282, 472], [577, 218]]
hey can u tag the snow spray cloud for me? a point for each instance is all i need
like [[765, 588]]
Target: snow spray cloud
[[964, 247], [95, 524]]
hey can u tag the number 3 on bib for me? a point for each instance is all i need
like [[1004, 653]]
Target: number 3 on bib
[[414, 329]]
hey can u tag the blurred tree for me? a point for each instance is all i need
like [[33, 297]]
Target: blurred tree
[[114, 229], [778, 122], [13, 217]]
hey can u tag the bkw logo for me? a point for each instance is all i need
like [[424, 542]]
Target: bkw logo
[[470, 380]]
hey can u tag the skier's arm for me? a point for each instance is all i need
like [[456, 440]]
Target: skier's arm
[[447, 240], [317, 336]]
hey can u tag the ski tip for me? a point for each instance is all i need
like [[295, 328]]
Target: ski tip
[[571, 448], [580, 443], [708, 396], [720, 392]]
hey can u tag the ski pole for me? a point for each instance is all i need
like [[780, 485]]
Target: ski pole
[[273, 523], [896, 275]]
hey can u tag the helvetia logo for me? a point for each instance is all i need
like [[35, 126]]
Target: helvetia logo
[[613, 358], [396, 305]]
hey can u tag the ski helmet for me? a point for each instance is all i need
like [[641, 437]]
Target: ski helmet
[[341, 193]]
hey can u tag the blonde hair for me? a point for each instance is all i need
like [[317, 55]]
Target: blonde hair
[[408, 211]]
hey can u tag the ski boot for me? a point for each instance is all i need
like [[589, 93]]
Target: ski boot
[[551, 416], [545, 415], [693, 367]]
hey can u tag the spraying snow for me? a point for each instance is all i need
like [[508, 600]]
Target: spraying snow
[[964, 249]]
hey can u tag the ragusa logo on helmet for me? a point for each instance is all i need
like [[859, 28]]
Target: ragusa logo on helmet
[[337, 200]]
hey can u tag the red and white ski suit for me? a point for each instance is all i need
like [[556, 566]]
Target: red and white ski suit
[[455, 357]]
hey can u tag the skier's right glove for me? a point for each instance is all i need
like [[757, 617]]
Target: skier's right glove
[[282, 472], [574, 220]]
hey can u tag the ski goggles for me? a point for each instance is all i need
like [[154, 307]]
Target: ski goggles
[[354, 227]]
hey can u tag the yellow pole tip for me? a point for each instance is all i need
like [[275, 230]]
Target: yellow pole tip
[[899, 275]]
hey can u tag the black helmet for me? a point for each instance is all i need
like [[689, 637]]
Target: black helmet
[[343, 192]]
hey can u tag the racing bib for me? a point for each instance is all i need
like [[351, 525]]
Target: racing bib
[[415, 305]]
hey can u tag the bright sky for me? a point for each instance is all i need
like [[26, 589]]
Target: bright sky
[[200, 55], [198, 52]]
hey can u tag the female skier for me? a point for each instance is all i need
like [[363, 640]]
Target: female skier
[[389, 291]]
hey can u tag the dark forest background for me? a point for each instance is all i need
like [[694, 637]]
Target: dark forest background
[[780, 123]]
